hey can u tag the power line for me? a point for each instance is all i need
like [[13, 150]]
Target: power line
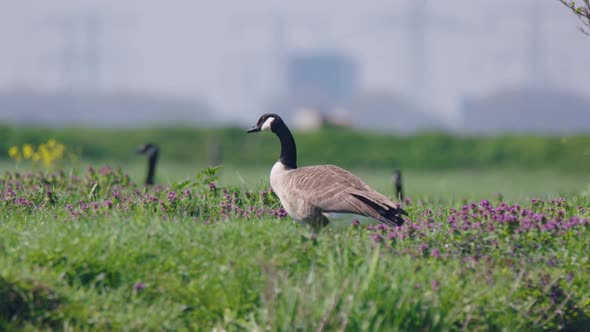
[[535, 50], [79, 61], [417, 21]]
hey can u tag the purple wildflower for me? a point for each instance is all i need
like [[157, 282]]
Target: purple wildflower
[[435, 284], [105, 170], [281, 213], [435, 253], [376, 237], [171, 196]]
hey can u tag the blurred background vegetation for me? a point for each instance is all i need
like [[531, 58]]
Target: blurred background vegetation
[[341, 146]]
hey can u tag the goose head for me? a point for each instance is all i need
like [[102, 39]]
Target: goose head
[[149, 149], [273, 123], [267, 122]]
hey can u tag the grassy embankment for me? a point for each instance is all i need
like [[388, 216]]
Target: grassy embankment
[[93, 251]]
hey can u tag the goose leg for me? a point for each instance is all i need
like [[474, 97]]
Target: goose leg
[[319, 222]]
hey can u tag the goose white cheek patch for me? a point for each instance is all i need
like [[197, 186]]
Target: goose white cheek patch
[[266, 124]]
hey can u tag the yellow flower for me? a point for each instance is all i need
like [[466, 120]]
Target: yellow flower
[[46, 157], [28, 151], [47, 154], [13, 152], [58, 151]]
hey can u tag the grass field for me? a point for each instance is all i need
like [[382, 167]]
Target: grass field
[[90, 250], [453, 184]]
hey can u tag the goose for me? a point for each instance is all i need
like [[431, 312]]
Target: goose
[[152, 151], [397, 182], [309, 193]]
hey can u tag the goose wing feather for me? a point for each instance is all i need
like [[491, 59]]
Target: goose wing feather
[[333, 189]]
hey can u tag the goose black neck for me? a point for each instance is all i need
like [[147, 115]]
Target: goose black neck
[[152, 159], [288, 149]]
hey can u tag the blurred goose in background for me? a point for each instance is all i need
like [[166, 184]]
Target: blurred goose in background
[[308, 193], [397, 182], [152, 151]]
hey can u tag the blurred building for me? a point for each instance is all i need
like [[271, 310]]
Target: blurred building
[[318, 87], [308, 119], [29, 107], [323, 79], [532, 110], [323, 90], [392, 113]]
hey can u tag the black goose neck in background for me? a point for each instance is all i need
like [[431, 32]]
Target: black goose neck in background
[[152, 159], [288, 149]]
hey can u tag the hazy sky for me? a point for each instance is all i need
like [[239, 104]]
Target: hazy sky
[[224, 51]]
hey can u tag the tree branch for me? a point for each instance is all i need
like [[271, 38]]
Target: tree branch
[[582, 11]]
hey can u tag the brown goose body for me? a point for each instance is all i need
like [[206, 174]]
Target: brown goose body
[[307, 193]]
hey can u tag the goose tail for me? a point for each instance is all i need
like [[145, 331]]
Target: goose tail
[[386, 213]]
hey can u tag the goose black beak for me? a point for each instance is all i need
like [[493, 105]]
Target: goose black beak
[[254, 129]]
